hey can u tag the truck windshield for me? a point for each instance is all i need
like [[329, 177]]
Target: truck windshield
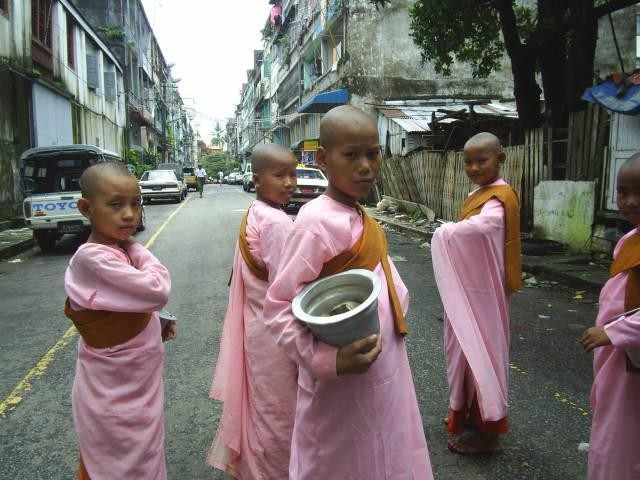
[[53, 174]]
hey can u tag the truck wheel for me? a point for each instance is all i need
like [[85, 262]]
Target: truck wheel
[[46, 240]]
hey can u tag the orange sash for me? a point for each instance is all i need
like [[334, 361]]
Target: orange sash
[[256, 267], [507, 196], [370, 249], [102, 329], [628, 260]]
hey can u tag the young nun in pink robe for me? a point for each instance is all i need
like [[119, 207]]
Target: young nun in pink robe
[[477, 266], [615, 395], [357, 415], [118, 392], [254, 378]]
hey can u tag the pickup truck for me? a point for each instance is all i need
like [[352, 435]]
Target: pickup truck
[[51, 181]]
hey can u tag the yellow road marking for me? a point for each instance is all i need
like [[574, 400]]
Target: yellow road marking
[[562, 399], [16, 396]]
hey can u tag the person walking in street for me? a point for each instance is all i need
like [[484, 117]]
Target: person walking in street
[[357, 415], [201, 175], [477, 267], [253, 377], [115, 288], [615, 395]]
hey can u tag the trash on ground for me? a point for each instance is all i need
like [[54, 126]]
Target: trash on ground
[[426, 245], [583, 447], [544, 317], [398, 258], [16, 260]]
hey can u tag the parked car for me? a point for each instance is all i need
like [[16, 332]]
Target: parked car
[[177, 168], [247, 178], [235, 178], [51, 177], [311, 184], [161, 184]]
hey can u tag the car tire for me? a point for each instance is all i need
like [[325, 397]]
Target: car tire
[[177, 199], [142, 226], [46, 240]]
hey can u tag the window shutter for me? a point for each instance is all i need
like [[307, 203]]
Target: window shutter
[[92, 71], [110, 86]]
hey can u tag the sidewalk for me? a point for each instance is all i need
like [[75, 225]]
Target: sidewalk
[[15, 241], [576, 271]]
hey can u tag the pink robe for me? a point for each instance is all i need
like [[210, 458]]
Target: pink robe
[[468, 261], [366, 426], [253, 377], [118, 393], [615, 395]]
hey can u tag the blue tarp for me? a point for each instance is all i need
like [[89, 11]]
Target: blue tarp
[[324, 102], [605, 95]]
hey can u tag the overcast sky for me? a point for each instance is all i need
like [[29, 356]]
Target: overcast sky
[[211, 43]]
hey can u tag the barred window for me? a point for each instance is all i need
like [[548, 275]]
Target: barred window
[[71, 54], [41, 21]]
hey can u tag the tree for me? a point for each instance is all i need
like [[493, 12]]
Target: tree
[[218, 162], [218, 135], [558, 39]]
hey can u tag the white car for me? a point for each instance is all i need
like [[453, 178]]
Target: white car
[[311, 184], [161, 184], [247, 179]]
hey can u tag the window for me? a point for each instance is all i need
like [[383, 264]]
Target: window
[[4, 6], [71, 54], [110, 86], [41, 34], [92, 72], [41, 21]]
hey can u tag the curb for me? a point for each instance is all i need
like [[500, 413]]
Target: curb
[[16, 248], [551, 273], [563, 278]]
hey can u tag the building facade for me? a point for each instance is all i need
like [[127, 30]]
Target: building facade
[[60, 83]]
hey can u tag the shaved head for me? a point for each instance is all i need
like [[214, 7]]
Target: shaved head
[[484, 139], [338, 119], [92, 176], [631, 163], [267, 154]]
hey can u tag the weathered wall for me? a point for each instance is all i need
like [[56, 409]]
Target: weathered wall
[[15, 93], [563, 211], [606, 58], [384, 63]]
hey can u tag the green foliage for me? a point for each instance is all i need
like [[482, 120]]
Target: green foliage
[[462, 31], [140, 161], [218, 162], [218, 135], [112, 32]]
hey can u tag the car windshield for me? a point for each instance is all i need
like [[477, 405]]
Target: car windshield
[[188, 171], [309, 174], [159, 176], [59, 173]]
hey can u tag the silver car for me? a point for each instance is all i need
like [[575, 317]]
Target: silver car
[[161, 184]]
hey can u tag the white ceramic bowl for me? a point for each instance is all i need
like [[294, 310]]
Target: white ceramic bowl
[[318, 304]]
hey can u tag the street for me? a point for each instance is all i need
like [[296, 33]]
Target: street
[[550, 375]]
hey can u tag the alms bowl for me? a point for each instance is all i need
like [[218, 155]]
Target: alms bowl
[[342, 308]]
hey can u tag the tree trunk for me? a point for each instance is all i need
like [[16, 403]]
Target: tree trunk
[[582, 50], [523, 65], [553, 61]]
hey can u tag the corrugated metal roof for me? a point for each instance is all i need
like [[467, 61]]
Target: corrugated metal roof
[[415, 117]]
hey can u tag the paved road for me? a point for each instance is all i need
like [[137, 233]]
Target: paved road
[[550, 375]]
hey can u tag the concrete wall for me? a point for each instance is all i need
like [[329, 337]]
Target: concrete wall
[[563, 211], [384, 63]]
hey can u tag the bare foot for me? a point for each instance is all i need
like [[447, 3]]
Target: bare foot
[[475, 443]]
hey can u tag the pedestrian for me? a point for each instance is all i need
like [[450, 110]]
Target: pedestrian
[[115, 287], [357, 415], [477, 267], [253, 377], [201, 175], [615, 395]]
